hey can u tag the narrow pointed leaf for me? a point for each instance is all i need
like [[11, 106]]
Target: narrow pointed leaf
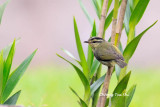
[[108, 20], [2, 8], [1, 71], [130, 94], [15, 76], [95, 5], [13, 99], [80, 51], [71, 56], [90, 53], [8, 64], [94, 67], [138, 12], [86, 12], [97, 84], [122, 85], [131, 47], [81, 76], [82, 103]]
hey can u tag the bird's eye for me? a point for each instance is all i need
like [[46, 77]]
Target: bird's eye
[[94, 42]]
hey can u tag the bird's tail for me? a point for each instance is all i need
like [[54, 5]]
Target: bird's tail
[[121, 63]]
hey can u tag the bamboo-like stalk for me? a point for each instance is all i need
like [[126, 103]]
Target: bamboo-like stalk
[[118, 30], [103, 18]]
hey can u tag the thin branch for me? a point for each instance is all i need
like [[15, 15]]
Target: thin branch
[[120, 20], [103, 18], [118, 29]]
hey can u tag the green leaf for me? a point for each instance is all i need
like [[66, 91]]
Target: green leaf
[[71, 56], [97, 84], [1, 72], [80, 51], [15, 76], [90, 53], [108, 20], [135, 17], [138, 12], [130, 94], [132, 4], [131, 47], [13, 99], [7, 48], [94, 67], [83, 104], [122, 85], [81, 76], [2, 8], [86, 12], [120, 88], [127, 18], [8, 64], [96, 7]]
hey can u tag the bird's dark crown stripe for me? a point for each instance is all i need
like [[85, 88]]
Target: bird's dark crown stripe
[[96, 38]]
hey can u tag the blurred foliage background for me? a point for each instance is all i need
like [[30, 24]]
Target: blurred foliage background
[[43, 24]]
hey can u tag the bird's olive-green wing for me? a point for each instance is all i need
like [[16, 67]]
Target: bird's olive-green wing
[[108, 51]]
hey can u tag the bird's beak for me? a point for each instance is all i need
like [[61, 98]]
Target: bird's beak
[[86, 42]]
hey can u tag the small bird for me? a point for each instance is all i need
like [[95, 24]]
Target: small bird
[[105, 52]]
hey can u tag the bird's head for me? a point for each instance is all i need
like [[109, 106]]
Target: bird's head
[[94, 41]]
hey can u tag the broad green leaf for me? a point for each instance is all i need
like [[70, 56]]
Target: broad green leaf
[[1, 72], [130, 94], [94, 67], [82, 103], [118, 100], [13, 99], [86, 12], [138, 12], [80, 51], [2, 8], [120, 88], [15, 76], [135, 17], [81, 76], [97, 84], [8, 64], [71, 56], [122, 85], [109, 5], [90, 53], [132, 4], [131, 47]]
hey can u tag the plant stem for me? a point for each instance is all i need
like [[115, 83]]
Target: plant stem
[[102, 99], [120, 20], [103, 18]]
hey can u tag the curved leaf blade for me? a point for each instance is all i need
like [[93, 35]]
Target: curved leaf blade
[[8, 64], [90, 53], [130, 94], [138, 12], [97, 84], [13, 99], [71, 56], [15, 76], [131, 47], [94, 67], [85, 12], [80, 51], [82, 103], [83, 78], [2, 8]]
